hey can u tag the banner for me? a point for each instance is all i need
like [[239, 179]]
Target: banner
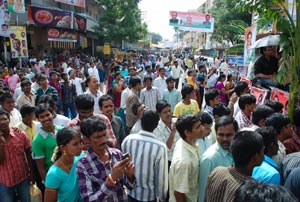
[[192, 21], [260, 95], [62, 35], [56, 18], [18, 41], [4, 18], [16, 6], [79, 3], [250, 37], [280, 96]]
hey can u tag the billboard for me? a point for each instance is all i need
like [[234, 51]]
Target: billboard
[[4, 18], [250, 37], [16, 6], [62, 35], [18, 41], [79, 3], [192, 21]]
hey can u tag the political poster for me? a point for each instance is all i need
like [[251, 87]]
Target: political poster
[[248, 81], [16, 6], [18, 41], [4, 19], [250, 37], [260, 95], [280, 96], [192, 21], [79, 3]]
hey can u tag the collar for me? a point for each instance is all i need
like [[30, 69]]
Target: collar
[[45, 134], [94, 156], [271, 162], [222, 151], [23, 126], [147, 134], [192, 148]]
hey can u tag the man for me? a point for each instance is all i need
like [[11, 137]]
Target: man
[[259, 116], [151, 169], [26, 97], [166, 129], [174, 19], [212, 98], [247, 104], [15, 162], [201, 79], [266, 67], [137, 109], [102, 173], [283, 126], [268, 171], [84, 104], [247, 149], [184, 168], [171, 94], [45, 89], [12, 79], [241, 88], [132, 97], [175, 73], [93, 72], [218, 154], [8, 104], [44, 142], [208, 139], [187, 105], [93, 90], [28, 124], [106, 105], [124, 70], [160, 81], [207, 20], [148, 73], [150, 94], [131, 72], [293, 144], [54, 82]]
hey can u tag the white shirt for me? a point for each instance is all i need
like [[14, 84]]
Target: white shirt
[[15, 118], [212, 81], [96, 100], [123, 98], [175, 72], [77, 82], [93, 71], [59, 120], [161, 84], [150, 97]]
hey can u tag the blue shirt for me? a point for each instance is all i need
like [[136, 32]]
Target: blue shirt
[[267, 172], [124, 72], [172, 97]]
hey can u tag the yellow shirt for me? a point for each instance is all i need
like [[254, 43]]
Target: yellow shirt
[[183, 109], [30, 131], [191, 80]]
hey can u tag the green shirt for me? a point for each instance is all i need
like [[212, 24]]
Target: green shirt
[[43, 145]]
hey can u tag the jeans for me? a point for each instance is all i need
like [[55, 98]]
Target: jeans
[[17, 192], [265, 82], [70, 106]]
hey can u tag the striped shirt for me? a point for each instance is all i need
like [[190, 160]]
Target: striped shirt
[[150, 97], [222, 184], [151, 166], [289, 162]]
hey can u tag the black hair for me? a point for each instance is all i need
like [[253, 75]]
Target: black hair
[[5, 95], [149, 120], [240, 87], [2, 111], [53, 72], [47, 99], [226, 120], [91, 125], [26, 109], [221, 76], [246, 99], [261, 113], [189, 71], [296, 117], [169, 79], [161, 104], [88, 79], [84, 102], [41, 77], [221, 110], [269, 135], [210, 94], [275, 105], [41, 108], [186, 90], [147, 78], [184, 123], [252, 190], [229, 76], [278, 121], [204, 117], [25, 82], [135, 107], [244, 146], [147, 66], [104, 98], [134, 80], [63, 137]]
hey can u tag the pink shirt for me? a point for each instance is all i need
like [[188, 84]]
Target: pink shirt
[[223, 97], [12, 81]]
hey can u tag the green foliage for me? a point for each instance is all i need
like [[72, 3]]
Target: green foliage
[[155, 37], [120, 20], [225, 13]]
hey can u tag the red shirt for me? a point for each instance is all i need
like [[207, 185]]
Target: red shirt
[[14, 169], [292, 144]]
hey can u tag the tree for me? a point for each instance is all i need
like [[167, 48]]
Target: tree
[[155, 37], [224, 13], [278, 12], [121, 20]]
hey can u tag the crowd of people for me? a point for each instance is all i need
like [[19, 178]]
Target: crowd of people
[[153, 128]]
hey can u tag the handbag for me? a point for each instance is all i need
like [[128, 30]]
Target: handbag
[[35, 194]]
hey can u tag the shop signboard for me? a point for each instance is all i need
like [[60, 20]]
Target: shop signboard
[[62, 35], [18, 41], [79, 3], [79, 22]]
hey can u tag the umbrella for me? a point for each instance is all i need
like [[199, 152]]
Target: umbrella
[[271, 40]]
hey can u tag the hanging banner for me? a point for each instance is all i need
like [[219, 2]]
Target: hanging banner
[[62, 35], [260, 95], [18, 41], [250, 37], [79, 3], [79, 22], [280, 96], [192, 21], [16, 6]]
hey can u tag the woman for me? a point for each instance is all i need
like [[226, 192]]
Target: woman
[[229, 84], [118, 86], [223, 93], [61, 180]]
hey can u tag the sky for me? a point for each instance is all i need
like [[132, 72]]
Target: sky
[[156, 14]]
